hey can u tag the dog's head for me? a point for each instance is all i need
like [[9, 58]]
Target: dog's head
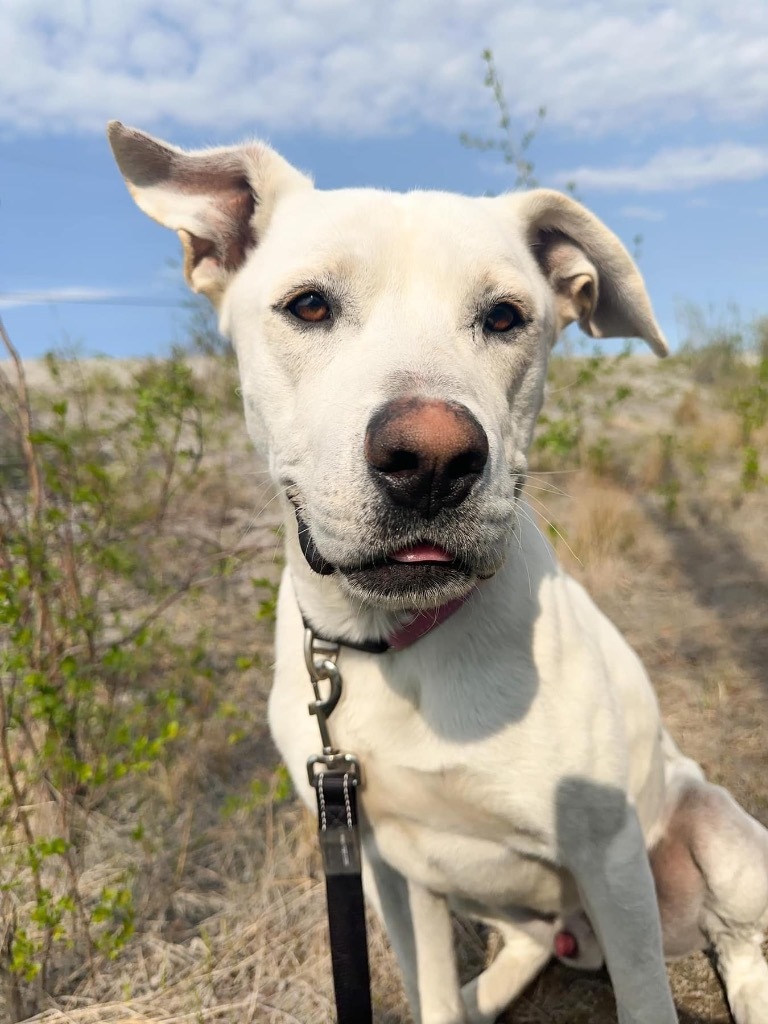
[[392, 348]]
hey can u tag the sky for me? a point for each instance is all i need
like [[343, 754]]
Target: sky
[[657, 111]]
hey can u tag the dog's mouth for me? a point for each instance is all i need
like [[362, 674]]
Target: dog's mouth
[[420, 574]]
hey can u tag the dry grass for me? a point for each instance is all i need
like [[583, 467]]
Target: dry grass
[[231, 925], [598, 528]]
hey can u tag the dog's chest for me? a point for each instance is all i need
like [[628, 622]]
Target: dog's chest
[[442, 829], [461, 801]]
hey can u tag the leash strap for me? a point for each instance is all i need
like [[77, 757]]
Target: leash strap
[[340, 845], [335, 776]]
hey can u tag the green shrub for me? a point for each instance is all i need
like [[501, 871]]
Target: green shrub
[[93, 688]]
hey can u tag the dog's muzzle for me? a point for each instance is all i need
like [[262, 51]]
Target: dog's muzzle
[[425, 458]]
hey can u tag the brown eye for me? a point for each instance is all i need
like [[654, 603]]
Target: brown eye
[[312, 307], [502, 317]]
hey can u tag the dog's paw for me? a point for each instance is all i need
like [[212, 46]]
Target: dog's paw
[[474, 1014], [749, 1001], [749, 1010]]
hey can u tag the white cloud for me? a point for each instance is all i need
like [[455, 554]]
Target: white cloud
[[700, 203], [672, 170], [364, 68], [52, 296], [649, 213]]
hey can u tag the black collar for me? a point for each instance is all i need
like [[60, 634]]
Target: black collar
[[366, 646]]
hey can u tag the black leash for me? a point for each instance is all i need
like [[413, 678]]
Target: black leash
[[335, 776], [339, 841]]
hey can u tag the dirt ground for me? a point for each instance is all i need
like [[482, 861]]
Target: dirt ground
[[232, 917]]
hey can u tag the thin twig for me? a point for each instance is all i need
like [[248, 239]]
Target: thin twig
[[25, 415]]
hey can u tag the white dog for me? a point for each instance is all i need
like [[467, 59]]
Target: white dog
[[392, 350]]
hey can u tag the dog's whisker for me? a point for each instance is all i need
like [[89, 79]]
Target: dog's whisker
[[557, 532], [541, 504], [526, 515], [547, 487]]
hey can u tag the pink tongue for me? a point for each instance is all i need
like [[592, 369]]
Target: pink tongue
[[422, 553]]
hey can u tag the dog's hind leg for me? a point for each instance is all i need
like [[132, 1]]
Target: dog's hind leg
[[711, 873], [744, 972], [731, 850], [527, 949]]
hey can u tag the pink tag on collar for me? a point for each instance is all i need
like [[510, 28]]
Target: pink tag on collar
[[424, 622]]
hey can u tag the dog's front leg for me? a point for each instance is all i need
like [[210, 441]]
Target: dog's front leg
[[603, 846], [440, 999], [418, 924]]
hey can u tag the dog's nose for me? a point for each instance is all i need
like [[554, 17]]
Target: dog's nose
[[425, 454]]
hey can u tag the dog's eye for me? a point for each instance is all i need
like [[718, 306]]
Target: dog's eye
[[312, 307], [502, 317]]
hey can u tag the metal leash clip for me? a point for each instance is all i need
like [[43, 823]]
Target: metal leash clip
[[320, 658]]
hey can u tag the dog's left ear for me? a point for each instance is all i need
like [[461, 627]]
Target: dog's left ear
[[594, 278], [218, 200]]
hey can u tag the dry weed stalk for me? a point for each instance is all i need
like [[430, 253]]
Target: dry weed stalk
[[92, 683]]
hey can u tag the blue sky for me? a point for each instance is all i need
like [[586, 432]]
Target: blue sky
[[658, 111]]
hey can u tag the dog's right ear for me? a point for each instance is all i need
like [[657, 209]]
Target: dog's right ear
[[218, 200]]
